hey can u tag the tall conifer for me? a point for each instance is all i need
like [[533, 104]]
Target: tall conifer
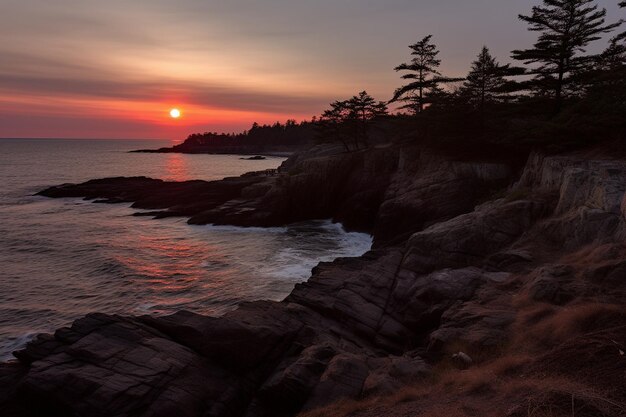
[[423, 71], [566, 28]]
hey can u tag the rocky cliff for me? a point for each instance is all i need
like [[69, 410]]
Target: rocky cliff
[[489, 291]]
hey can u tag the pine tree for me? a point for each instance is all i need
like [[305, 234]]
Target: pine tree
[[363, 109], [566, 27], [608, 78], [614, 56], [423, 70], [331, 124], [485, 81], [349, 121]]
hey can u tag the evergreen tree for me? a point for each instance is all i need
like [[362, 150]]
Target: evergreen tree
[[566, 27], [331, 124], [349, 121], [607, 82], [613, 57], [422, 69], [485, 81], [363, 109]]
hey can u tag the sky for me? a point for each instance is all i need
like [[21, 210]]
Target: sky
[[115, 68]]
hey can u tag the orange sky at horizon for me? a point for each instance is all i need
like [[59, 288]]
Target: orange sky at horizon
[[114, 69], [154, 116]]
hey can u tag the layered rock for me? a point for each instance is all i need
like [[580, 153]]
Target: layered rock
[[540, 268], [390, 191], [591, 201]]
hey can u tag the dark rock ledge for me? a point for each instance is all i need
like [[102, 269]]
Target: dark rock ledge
[[451, 268]]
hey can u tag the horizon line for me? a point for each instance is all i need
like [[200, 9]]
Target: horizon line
[[81, 138]]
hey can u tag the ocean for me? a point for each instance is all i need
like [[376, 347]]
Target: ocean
[[63, 258]]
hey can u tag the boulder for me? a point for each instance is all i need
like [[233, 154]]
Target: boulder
[[468, 239], [462, 360]]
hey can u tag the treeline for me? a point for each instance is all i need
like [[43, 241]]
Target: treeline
[[556, 93], [289, 134]]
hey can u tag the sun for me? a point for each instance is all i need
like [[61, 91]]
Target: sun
[[175, 113]]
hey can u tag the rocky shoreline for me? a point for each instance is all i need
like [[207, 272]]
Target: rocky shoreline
[[519, 270]]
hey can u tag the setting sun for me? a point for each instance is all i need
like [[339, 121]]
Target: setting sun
[[175, 113]]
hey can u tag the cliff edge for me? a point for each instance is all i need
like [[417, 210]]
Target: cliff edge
[[493, 289]]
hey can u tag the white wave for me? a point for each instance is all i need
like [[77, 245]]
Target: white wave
[[296, 261], [11, 344]]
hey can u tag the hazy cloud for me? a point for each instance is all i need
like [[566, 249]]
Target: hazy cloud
[[272, 56]]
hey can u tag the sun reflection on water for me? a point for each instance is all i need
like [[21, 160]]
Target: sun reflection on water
[[176, 168]]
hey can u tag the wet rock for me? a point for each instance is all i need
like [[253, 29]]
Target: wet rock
[[356, 292]]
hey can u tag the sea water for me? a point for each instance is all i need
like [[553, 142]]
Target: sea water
[[63, 258]]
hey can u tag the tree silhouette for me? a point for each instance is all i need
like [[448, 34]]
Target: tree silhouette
[[613, 57], [485, 82], [363, 109], [266, 136], [606, 83], [331, 124], [423, 70], [566, 27], [349, 121]]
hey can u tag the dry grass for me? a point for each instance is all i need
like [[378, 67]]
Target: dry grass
[[547, 326], [595, 254], [456, 396], [558, 362], [473, 379], [341, 408], [564, 397], [513, 384]]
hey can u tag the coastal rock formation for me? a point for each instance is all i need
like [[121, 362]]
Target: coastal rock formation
[[525, 284], [390, 191]]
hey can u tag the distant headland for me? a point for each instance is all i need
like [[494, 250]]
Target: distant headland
[[270, 140]]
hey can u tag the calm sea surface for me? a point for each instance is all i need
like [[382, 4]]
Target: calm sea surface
[[63, 258]]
